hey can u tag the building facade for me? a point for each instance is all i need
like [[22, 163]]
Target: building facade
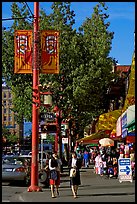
[[8, 116]]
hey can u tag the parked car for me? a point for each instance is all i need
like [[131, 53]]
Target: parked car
[[16, 168], [45, 158], [24, 152]]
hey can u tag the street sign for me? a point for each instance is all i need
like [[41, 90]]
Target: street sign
[[47, 116], [43, 136], [64, 127], [125, 171], [64, 140], [63, 132]]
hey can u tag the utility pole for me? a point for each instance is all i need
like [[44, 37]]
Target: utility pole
[[35, 106]]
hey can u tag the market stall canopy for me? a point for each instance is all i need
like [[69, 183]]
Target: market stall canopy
[[98, 135], [107, 121], [105, 142]]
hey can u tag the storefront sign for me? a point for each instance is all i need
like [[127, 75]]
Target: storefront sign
[[125, 171], [124, 123], [49, 116]]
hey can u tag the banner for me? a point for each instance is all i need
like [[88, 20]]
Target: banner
[[49, 52], [23, 52], [124, 123]]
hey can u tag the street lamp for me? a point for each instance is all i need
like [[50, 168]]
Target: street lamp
[[47, 102], [46, 99]]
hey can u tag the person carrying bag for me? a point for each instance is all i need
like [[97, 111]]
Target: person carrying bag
[[73, 172], [74, 166]]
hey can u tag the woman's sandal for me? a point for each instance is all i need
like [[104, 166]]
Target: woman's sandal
[[53, 196], [57, 193]]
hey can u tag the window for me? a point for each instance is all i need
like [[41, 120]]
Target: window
[[5, 118], [9, 95], [10, 118], [5, 110], [4, 102], [5, 95], [10, 102], [9, 111]]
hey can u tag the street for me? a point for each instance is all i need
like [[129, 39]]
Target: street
[[93, 188], [9, 191]]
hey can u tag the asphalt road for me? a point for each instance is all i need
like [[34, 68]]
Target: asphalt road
[[93, 188], [8, 191]]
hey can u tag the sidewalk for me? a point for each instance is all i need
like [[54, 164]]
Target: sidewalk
[[93, 188]]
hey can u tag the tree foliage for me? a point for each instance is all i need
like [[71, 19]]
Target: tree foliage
[[10, 137], [80, 88]]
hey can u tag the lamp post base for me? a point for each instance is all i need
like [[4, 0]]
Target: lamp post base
[[33, 188]]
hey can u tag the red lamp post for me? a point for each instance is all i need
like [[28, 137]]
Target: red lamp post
[[35, 124]]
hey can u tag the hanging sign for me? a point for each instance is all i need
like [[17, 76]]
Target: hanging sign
[[49, 52], [125, 171], [23, 52]]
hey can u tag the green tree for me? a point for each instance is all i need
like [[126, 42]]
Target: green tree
[[92, 78], [80, 88], [10, 137], [20, 83]]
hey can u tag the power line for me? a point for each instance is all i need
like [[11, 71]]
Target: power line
[[29, 9], [8, 19]]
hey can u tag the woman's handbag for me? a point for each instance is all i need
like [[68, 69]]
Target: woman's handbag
[[72, 172], [53, 174]]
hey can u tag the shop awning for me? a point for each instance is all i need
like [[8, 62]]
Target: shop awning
[[90, 142], [95, 136], [107, 121]]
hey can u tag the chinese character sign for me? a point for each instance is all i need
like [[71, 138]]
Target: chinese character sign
[[50, 52], [23, 51]]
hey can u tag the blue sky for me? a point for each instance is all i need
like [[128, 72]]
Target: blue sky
[[121, 18]]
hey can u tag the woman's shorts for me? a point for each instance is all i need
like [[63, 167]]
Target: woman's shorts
[[55, 182]]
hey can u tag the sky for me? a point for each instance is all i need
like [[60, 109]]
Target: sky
[[121, 18]]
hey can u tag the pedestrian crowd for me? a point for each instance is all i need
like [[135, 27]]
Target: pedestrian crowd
[[105, 161]]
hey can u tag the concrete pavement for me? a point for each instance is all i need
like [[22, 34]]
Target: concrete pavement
[[93, 188]]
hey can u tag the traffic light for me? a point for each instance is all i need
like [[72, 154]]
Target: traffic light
[[36, 96]]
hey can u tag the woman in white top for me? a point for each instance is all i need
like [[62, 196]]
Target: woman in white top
[[54, 164]]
